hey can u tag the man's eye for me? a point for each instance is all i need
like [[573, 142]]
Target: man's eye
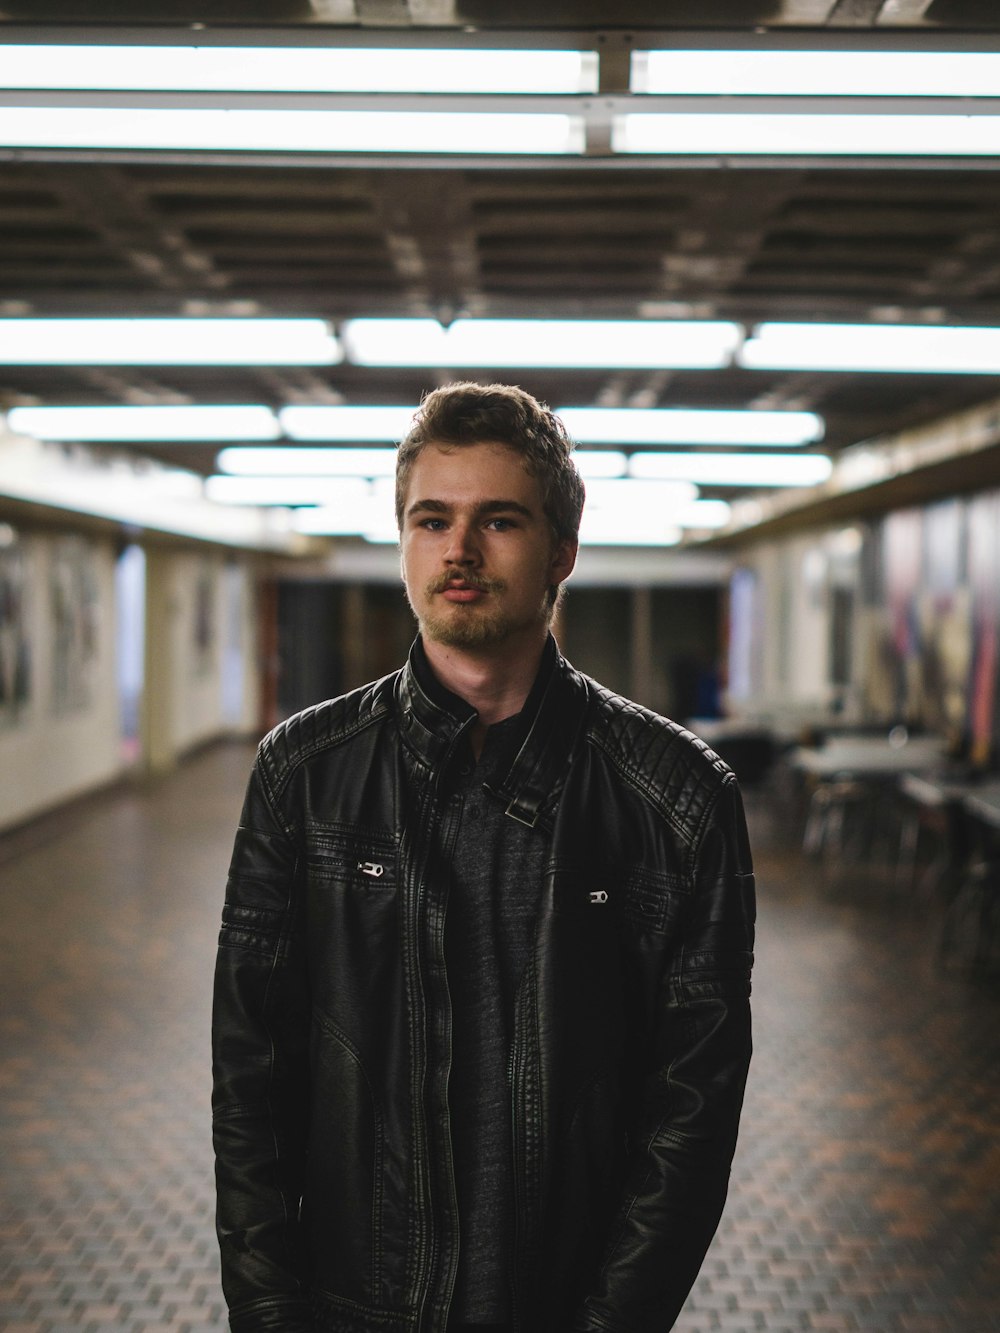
[[500, 524], [432, 524]]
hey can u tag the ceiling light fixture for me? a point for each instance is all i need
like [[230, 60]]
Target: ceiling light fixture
[[908, 348], [645, 513], [316, 68], [290, 461], [812, 134], [321, 422], [627, 496], [605, 344], [167, 422], [287, 490], [162, 342], [718, 469], [792, 73], [213, 129], [626, 425]]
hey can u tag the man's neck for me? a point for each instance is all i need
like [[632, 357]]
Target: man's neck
[[494, 683]]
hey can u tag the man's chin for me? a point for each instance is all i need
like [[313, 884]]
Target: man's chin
[[473, 630]]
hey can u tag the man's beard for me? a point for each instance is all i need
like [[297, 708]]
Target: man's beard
[[471, 625]]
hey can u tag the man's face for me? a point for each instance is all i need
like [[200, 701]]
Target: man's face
[[479, 556]]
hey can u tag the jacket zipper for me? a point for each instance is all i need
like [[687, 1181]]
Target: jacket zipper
[[425, 1197]]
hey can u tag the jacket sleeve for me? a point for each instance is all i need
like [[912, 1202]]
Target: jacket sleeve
[[259, 1040], [684, 1134]]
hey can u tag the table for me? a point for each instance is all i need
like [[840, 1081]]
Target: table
[[853, 774], [869, 757]]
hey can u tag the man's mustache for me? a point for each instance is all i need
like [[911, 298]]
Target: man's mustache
[[470, 580]]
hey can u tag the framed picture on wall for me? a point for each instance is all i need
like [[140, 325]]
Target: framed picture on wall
[[15, 641], [74, 601], [204, 622]]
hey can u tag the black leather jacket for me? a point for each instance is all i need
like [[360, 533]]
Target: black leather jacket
[[332, 1019]]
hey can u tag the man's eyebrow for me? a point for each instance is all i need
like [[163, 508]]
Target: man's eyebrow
[[435, 506]]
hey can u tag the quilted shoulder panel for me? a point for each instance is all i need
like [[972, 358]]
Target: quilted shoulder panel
[[321, 727], [674, 770]]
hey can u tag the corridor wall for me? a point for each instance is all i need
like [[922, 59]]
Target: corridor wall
[[59, 726], [893, 620], [61, 713]]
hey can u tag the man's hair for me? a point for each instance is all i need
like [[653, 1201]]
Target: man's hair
[[470, 413]]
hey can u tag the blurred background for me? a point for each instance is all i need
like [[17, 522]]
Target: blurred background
[[751, 252]]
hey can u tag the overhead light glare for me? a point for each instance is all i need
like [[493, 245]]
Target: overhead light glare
[[845, 73], [719, 469], [600, 463], [627, 496], [782, 134], [285, 491], [564, 343], [624, 425], [906, 348], [290, 461], [297, 69], [321, 422], [291, 130], [162, 342], [156, 422]]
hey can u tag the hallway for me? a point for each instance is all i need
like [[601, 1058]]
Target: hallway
[[865, 1190]]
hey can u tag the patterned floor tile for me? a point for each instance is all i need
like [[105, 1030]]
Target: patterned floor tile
[[864, 1196]]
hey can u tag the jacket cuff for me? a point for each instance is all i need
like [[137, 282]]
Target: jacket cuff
[[273, 1315]]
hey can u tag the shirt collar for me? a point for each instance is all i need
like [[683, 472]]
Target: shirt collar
[[433, 721]]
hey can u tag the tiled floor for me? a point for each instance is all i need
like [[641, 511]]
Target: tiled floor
[[866, 1193]]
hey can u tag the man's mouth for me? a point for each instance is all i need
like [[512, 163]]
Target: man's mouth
[[460, 591], [468, 589]]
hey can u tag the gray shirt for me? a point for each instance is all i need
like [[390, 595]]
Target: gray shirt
[[494, 865]]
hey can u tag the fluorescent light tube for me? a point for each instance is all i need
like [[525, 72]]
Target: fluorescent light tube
[[705, 344], [163, 342], [613, 529], [718, 469], [924, 348], [291, 131], [321, 422], [289, 461], [626, 496], [287, 490], [168, 422], [600, 463], [704, 514], [297, 69], [817, 73], [368, 520], [625, 425], [817, 134]]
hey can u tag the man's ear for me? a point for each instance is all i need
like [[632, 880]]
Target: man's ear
[[563, 559]]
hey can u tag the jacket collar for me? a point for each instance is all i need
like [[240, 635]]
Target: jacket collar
[[432, 720]]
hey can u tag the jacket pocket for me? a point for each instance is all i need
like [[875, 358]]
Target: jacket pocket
[[365, 862]]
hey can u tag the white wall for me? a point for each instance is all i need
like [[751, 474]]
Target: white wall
[[63, 741], [202, 639], [202, 677], [784, 649]]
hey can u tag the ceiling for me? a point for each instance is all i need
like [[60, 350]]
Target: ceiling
[[119, 235]]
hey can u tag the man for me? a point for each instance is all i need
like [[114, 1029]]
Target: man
[[482, 1020]]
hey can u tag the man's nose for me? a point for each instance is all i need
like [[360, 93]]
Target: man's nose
[[462, 547]]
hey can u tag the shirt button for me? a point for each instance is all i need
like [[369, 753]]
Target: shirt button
[[474, 812], [465, 770]]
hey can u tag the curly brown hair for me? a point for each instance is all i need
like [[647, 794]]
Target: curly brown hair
[[471, 413]]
